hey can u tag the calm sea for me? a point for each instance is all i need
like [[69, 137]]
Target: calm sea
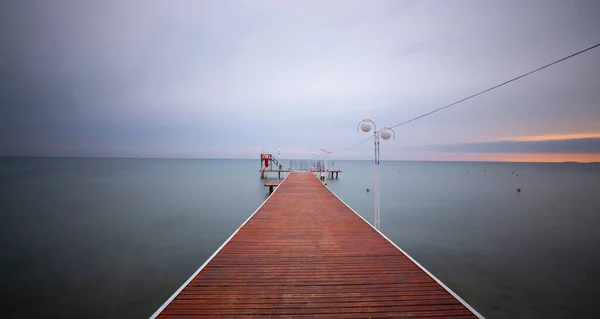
[[114, 238]]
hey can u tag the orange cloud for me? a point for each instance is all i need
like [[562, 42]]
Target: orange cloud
[[552, 137], [516, 157]]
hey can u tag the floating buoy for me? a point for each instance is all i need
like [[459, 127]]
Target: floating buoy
[[399, 171], [368, 189], [518, 190]]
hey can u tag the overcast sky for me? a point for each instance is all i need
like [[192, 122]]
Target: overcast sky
[[233, 78]]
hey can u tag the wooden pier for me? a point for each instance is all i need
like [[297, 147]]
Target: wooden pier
[[270, 164], [331, 173], [271, 185], [305, 254]]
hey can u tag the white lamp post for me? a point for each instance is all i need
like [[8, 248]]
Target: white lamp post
[[325, 165], [385, 133]]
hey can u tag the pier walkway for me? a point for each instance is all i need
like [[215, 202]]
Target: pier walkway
[[305, 254]]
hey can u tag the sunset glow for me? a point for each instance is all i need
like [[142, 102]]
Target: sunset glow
[[520, 157], [552, 137]]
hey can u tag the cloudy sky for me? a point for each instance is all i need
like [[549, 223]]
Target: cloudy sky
[[234, 78]]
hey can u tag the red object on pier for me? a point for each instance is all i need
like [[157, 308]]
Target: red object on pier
[[266, 158]]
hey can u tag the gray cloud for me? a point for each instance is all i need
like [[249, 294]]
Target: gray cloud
[[570, 146], [191, 78]]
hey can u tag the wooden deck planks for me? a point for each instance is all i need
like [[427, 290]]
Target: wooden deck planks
[[306, 254]]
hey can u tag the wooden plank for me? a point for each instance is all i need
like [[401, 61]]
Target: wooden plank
[[305, 254], [272, 183], [289, 171]]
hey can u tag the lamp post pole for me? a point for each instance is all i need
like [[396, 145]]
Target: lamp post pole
[[278, 165], [385, 133]]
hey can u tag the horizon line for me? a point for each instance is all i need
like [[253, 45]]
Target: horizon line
[[282, 159]]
